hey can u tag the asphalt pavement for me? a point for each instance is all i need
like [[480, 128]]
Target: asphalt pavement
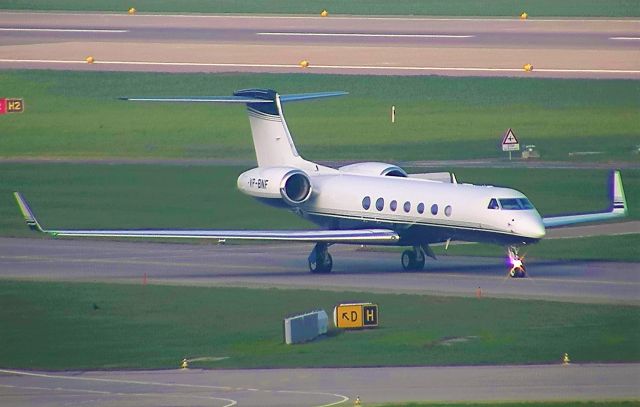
[[585, 48]]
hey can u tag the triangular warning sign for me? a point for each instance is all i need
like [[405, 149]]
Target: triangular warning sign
[[509, 137]]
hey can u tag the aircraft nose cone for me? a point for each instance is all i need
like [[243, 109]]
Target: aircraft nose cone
[[538, 231], [529, 225], [534, 228]]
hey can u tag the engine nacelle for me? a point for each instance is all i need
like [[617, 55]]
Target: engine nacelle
[[374, 168], [290, 184]]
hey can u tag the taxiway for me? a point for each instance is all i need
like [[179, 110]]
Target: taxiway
[[355, 269], [352, 45], [320, 387]]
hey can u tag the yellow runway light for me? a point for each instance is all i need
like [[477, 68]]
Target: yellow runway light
[[90, 59]]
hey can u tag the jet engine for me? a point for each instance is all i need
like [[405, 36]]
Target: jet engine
[[289, 184], [374, 168]]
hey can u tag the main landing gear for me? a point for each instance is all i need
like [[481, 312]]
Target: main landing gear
[[515, 263], [413, 260], [320, 260]]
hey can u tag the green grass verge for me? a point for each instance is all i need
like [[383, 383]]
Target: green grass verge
[[536, 8], [77, 114], [521, 404], [55, 326], [177, 196]]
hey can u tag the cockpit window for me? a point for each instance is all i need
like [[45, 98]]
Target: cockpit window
[[515, 203], [524, 203], [493, 204], [509, 204]]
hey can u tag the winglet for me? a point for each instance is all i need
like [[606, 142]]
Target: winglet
[[27, 213], [618, 200], [617, 208]]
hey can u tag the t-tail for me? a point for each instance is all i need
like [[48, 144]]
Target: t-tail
[[271, 137]]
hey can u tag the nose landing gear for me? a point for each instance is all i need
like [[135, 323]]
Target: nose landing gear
[[515, 263]]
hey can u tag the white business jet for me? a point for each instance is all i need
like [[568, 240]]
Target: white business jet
[[369, 203]]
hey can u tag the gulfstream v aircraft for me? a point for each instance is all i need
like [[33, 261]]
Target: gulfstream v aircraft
[[370, 203]]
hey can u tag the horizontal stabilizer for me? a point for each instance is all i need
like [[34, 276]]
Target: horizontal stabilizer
[[199, 99], [309, 96], [617, 208], [259, 96], [358, 236]]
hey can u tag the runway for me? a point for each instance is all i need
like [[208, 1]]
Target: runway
[[320, 387], [351, 45], [285, 266]]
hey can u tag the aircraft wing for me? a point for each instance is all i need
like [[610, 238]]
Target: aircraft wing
[[617, 208], [356, 236]]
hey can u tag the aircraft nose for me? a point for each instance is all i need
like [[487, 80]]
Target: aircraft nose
[[528, 225], [533, 227]]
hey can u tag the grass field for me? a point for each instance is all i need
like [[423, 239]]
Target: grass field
[[77, 114], [536, 8], [56, 326]]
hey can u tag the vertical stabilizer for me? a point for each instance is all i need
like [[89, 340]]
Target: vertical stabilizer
[[271, 138]]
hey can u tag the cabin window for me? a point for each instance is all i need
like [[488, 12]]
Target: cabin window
[[366, 203], [421, 208], [380, 204], [493, 204], [447, 210], [393, 205], [407, 206], [434, 209]]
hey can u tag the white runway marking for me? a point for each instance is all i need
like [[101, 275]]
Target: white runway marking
[[341, 398], [65, 30], [118, 394], [298, 34], [343, 67], [625, 38]]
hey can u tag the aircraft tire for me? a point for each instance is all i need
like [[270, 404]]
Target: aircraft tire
[[408, 260], [322, 267]]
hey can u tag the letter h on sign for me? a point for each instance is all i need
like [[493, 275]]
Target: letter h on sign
[[370, 317]]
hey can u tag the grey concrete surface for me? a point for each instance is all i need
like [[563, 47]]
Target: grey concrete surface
[[320, 387], [286, 266], [376, 45]]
